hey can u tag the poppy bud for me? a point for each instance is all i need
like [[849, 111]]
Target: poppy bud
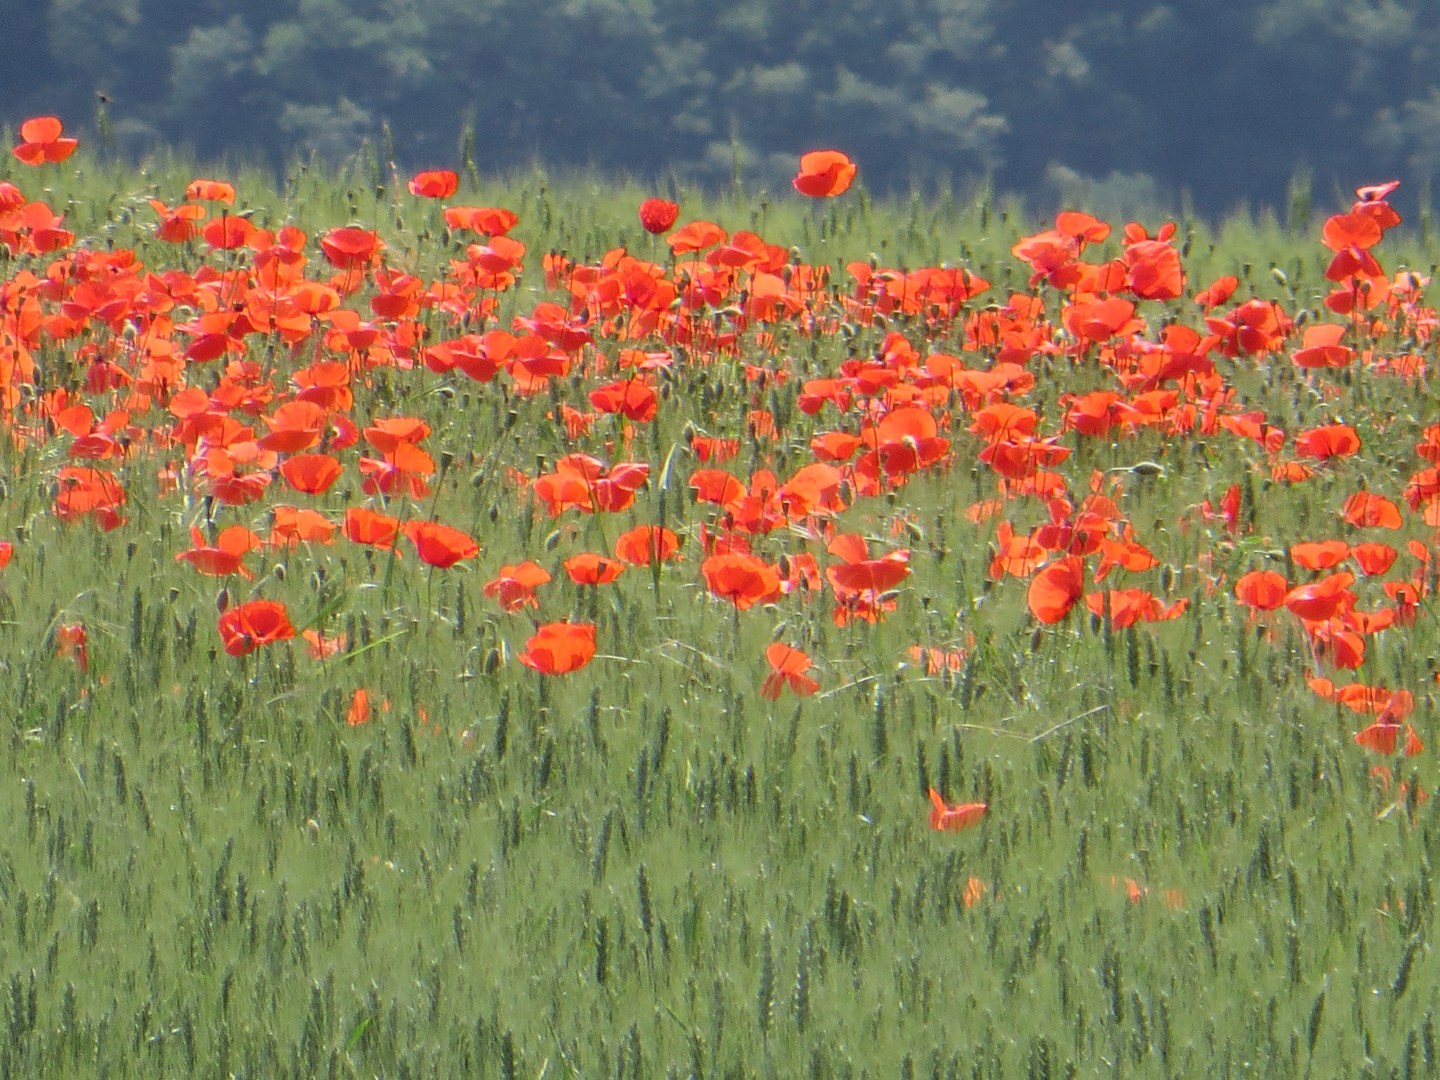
[[222, 601], [658, 216]]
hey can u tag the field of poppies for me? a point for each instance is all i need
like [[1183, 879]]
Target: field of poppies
[[524, 628]]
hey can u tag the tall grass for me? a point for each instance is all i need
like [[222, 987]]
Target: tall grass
[[644, 869]]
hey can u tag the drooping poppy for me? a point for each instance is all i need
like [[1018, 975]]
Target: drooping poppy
[[658, 215], [787, 668], [824, 173], [559, 648], [41, 142], [957, 818], [435, 184], [245, 627], [440, 545]]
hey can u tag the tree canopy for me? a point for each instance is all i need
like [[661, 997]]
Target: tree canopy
[[1226, 100]]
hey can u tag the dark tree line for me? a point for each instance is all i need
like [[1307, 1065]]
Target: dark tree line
[[1225, 100]]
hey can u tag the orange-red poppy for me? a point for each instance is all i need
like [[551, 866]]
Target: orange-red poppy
[[1320, 555], [359, 711], [514, 587], [824, 173], [744, 580], [367, 527], [211, 191], [41, 142], [435, 184], [293, 526], [646, 544], [1331, 441], [321, 646], [225, 556], [957, 818], [440, 545], [787, 668], [1322, 599], [1263, 590], [1383, 737], [245, 627], [1056, 588], [559, 648], [658, 215], [71, 644], [588, 568], [312, 474], [1374, 559], [1365, 510]]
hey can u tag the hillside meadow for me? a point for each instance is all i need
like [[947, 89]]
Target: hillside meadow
[[503, 626]]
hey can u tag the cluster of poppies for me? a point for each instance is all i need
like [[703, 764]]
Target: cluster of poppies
[[168, 372]]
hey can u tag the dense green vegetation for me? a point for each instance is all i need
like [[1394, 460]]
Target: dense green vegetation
[[643, 869]]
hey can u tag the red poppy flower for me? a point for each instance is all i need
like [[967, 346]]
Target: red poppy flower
[[1374, 559], [658, 216], [1383, 737], [559, 648], [348, 247], [1365, 510], [7, 550], [788, 667], [1332, 441], [367, 527], [1056, 588], [646, 544], [359, 711], [956, 818], [824, 173], [312, 474], [70, 644], [630, 398], [744, 580], [1320, 555], [1262, 589], [440, 545], [246, 627], [225, 555], [592, 569], [514, 587], [42, 142], [211, 190], [486, 220], [436, 184], [1322, 599]]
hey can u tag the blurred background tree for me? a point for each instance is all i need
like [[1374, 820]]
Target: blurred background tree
[[1122, 100]]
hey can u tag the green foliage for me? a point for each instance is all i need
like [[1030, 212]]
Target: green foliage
[[1224, 100], [644, 869]]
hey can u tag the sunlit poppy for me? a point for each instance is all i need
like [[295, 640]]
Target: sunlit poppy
[[211, 191], [41, 142], [559, 648], [824, 173], [225, 556], [591, 569], [245, 627], [646, 544], [367, 527], [312, 474], [436, 184], [1263, 590], [440, 545], [744, 580]]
